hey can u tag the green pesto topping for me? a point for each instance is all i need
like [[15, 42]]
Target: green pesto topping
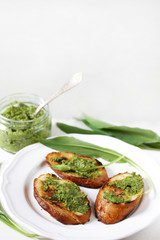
[[50, 181], [20, 111], [132, 184], [112, 197], [82, 166], [69, 194]]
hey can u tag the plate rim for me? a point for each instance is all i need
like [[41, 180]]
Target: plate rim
[[37, 145]]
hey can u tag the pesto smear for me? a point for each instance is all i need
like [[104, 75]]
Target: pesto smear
[[112, 197], [68, 193], [20, 128], [79, 165], [131, 185]]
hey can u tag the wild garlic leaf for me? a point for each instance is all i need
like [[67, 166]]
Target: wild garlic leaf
[[8, 221], [71, 129], [150, 146], [71, 144], [134, 136]]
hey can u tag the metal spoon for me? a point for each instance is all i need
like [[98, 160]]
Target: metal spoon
[[74, 81]]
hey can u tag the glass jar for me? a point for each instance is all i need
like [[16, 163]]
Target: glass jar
[[16, 134]]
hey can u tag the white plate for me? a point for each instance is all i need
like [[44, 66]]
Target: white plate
[[19, 202]]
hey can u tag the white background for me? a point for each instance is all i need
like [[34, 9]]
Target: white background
[[115, 43]]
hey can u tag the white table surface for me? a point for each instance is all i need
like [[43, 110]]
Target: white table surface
[[151, 232]]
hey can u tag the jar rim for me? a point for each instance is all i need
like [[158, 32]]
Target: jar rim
[[24, 94]]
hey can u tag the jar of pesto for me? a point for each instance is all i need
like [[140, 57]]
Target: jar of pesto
[[18, 125]]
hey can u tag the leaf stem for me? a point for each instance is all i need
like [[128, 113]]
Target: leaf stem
[[8, 221], [108, 164]]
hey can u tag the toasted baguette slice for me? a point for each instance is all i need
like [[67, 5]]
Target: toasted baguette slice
[[108, 211], [95, 182], [54, 208]]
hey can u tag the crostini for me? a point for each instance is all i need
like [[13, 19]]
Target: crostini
[[118, 197], [62, 199], [77, 169]]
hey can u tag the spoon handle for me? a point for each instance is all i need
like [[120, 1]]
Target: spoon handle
[[74, 81]]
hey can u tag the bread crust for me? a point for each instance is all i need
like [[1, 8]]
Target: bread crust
[[108, 212], [58, 210], [85, 182]]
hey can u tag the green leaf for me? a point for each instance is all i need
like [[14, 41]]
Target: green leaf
[[154, 145], [8, 221], [97, 123], [134, 136], [71, 129], [150, 146], [71, 144]]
